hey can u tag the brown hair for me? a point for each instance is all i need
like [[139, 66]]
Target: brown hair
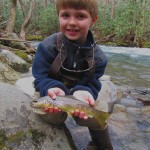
[[90, 5]]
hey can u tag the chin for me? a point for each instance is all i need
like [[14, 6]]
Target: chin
[[72, 38]]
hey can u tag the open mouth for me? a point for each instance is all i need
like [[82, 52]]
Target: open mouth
[[72, 30]]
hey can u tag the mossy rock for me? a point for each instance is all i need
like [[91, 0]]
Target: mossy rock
[[3, 138], [23, 67], [14, 44], [23, 55], [20, 138]]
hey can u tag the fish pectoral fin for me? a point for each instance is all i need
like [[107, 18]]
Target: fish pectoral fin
[[38, 111], [69, 114]]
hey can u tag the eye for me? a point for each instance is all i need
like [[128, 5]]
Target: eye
[[65, 15], [81, 16]]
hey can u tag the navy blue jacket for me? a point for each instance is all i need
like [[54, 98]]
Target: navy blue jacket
[[45, 55]]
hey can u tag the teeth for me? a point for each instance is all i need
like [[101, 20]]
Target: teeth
[[72, 30]]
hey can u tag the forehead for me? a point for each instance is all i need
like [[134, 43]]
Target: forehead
[[72, 10]]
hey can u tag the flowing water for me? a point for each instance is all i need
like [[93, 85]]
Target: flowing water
[[128, 66]]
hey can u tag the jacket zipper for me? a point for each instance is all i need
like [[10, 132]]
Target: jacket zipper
[[76, 58]]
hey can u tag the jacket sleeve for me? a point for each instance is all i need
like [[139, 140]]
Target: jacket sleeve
[[40, 69], [94, 86]]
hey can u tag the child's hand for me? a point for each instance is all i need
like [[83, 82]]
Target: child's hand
[[53, 93], [80, 117], [86, 97]]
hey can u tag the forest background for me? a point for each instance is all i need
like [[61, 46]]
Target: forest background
[[121, 22]]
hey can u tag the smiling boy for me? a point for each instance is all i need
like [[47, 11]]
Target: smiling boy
[[70, 63]]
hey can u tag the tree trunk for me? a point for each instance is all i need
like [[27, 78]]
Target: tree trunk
[[107, 2], [113, 9], [12, 17], [44, 3], [27, 21], [23, 7]]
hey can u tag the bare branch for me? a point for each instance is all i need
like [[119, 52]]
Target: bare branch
[[12, 17]]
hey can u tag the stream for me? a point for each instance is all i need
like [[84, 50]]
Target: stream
[[128, 66]]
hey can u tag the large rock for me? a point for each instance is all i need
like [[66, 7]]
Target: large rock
[[108, 91], [24, 130], [129, 125], [14, 44], [15, 62], [26, 85], [7, 74]]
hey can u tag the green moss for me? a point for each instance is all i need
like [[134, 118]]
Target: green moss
[[34, 38], [17, 137], [146, 44], [36, 136], [21, 54], [6, 141], [3, 138]]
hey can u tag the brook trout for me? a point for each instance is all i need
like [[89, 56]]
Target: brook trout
[[69, 104]]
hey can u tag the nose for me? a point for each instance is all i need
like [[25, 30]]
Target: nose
[[72, 21]]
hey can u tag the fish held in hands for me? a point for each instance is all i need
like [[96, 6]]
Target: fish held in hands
[[69, 104]]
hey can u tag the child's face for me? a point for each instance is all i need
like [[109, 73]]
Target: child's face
[[75, 23]]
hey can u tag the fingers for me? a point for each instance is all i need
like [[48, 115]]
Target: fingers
[[51, 94], [90, 101], [54, 92], [52, 110], [79, 114]]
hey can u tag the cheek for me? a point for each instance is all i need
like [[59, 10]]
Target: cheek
[[86, 28], [62, 24], [86, 25]]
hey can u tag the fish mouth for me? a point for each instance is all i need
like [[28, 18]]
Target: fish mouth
[[33, 103], [37, 109]]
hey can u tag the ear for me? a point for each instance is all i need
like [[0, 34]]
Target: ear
[[94, 20]]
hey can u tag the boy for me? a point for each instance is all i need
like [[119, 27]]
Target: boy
[[70, 63]]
